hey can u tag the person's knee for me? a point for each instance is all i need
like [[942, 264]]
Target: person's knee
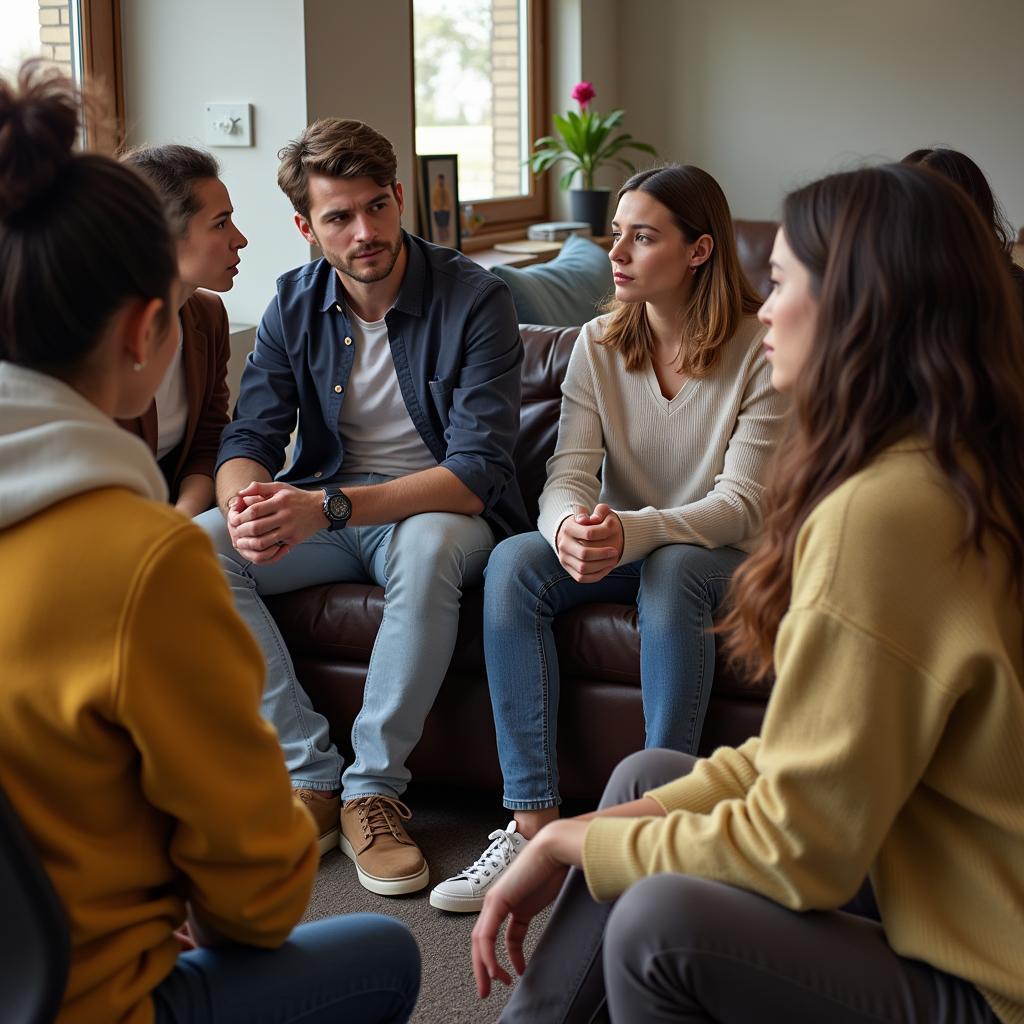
[[394, 939], [659, 911], [437, 545], [644, 770], [516, 571], [369, 942], [673, 570], [513, 555], [213, 524]]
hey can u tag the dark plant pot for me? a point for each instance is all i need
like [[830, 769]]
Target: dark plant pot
[[590, 205]]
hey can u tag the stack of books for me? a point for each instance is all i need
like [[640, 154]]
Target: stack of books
[[557, 230]]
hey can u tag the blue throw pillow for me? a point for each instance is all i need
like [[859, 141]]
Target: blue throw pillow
[[564, 292]]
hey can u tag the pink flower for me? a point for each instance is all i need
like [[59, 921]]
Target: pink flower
[[583, 93]]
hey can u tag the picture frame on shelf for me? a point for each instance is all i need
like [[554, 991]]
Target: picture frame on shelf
[[440, 222]]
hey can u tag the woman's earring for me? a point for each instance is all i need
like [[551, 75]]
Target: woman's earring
[[138, 366], [693, 269]]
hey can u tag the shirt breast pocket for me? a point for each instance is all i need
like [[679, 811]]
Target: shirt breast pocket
[[441, 395]]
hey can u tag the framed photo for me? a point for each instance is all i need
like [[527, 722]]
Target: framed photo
[[439, 199]]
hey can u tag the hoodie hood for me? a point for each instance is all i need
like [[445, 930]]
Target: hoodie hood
[[55, 444]]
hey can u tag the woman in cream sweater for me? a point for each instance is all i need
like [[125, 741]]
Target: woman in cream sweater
[[131, 742], [886, 594], [653, 493]]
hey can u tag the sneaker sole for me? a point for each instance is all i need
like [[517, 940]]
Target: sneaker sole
[[456, 904], [328, 841], [386, 886]]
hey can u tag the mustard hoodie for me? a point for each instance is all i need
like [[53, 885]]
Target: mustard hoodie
[[131, 743]]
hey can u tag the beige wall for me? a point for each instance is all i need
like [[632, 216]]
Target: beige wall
[[294, 61], [178, 57], [768, 95], [765, 96], [358, 64], [583, 38]]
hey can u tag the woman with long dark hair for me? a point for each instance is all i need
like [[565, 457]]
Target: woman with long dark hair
[[886, 596], [131, 742], [183, 423], [653, 495], [962, 170]]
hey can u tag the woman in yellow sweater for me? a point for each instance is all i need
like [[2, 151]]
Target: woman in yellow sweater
[[886, 596], [131, 744]]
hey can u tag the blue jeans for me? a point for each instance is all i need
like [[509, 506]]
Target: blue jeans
[[422, 563], [676, 588], [359, 969]]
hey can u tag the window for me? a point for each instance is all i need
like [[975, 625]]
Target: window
[[81, 37], [479, 84]]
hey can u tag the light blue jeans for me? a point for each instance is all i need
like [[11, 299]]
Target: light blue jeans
[[357, 969], [677, 589], [422, 563]]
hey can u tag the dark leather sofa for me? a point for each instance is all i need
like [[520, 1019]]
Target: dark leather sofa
[[330, 630]]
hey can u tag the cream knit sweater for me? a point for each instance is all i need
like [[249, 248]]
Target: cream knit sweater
[[686, 470]]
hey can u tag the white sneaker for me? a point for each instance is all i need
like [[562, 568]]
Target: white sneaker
[[464, 893]]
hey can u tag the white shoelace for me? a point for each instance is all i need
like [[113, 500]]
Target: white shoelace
[[494, 859]]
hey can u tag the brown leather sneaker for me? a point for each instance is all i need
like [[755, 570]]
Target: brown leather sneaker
[[387, 860], [323, 805]]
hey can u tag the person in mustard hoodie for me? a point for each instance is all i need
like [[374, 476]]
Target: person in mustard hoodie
[[131, 743], [886, 597]]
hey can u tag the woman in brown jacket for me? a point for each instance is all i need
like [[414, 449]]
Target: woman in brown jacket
[[183, 423]]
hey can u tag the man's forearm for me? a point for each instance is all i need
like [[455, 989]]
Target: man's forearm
[[431, 490], [234, 475]]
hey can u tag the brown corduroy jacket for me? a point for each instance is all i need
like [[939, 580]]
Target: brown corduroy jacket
[[205, 349]]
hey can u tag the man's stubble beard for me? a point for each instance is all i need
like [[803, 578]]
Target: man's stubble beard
[[368, 277]]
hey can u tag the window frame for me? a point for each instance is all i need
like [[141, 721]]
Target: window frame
[[103, 69], [509, 217]]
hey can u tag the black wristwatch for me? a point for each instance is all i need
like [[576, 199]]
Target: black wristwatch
[[337, 508]]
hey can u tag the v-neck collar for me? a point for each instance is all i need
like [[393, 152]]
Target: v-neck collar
[[667, 405]]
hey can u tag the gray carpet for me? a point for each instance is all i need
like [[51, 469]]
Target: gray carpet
[[451, 827]]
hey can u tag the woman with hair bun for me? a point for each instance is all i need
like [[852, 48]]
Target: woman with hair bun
[[887, 596], [653, 495], [183, 423], [131, 742]]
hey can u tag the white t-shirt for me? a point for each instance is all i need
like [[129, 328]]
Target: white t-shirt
[[376, 429], [172, 404]]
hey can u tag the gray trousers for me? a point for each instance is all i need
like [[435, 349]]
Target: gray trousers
[[679, 948]]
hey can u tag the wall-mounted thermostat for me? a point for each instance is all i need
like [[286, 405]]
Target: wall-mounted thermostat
[[228, 124]]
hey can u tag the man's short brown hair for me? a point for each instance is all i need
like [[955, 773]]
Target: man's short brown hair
[[334, 148]]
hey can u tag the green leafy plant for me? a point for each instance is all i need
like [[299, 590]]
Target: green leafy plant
[[585, 141]]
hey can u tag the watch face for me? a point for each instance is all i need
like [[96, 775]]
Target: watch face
[[338, 507]]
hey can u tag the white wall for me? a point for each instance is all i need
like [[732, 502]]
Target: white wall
[[177, 57], [767, 96]]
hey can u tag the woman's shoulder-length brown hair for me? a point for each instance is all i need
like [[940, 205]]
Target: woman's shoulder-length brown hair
[[722, 295]]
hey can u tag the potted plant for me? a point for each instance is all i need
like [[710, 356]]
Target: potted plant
[[585, 141]]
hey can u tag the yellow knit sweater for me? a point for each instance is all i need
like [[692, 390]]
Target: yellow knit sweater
[[132, 747], [893, 743]]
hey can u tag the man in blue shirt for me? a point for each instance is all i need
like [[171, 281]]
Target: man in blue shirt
[[402, 360]]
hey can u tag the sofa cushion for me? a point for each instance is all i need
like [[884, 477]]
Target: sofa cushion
[[565, 291], [754, 241], [547, 351]]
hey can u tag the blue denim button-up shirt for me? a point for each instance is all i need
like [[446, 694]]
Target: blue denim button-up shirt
[[458, 355]]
